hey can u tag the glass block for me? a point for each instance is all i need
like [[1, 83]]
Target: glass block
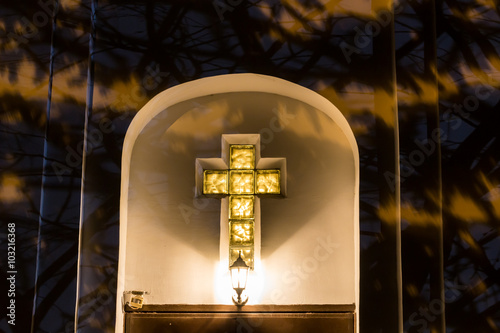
[[242, 157], [241, 182], [241, 232], [215, 182], [241, 207], [267, 182], [247, 254]]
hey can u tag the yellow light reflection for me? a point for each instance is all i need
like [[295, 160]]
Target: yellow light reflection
[[242, 157], [241, 207], [11, 188], [493, 194], [214, 182], [418, 216], [463, 207], [468, 239], [241, 182], [241, 233], [267, 182]]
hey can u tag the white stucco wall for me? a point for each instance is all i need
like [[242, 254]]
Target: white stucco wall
[[169, 240]]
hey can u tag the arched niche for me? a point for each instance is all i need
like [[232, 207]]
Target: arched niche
[[169, 238]]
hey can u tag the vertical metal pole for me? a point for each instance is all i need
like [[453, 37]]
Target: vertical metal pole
[[88, 114], [45, 165]]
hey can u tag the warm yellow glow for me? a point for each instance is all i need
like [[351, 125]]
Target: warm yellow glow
[[136, 302], [241, 207], [35, 90], [239, 277], [385, 112], [242, 157], [426, 88], [215, 182], [417, 216], [204, 124], [241, 182], [241, 233], [222, 283], [412, 290], [247, 255], [74, 5], [493, 195], [466, 237], [388, 213], [378, 5], [463, 207], [313, 17], [267, 182], [255, 282], [11, 189]]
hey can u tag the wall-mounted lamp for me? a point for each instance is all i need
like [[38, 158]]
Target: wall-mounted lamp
[[239, 276]]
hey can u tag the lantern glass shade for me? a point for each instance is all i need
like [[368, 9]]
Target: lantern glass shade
[[239, 277], [239, 274]]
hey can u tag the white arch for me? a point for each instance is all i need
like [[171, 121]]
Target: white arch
[[229, 83]]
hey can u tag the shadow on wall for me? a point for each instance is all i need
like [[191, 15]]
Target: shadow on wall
[[318, 160]]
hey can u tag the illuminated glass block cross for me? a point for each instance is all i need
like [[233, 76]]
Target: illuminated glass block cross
[[238, 179]]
